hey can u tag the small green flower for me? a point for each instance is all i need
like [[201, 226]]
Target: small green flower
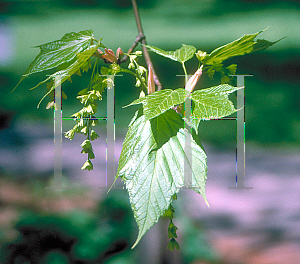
[[86, 144], [94, 135], [173, 244], [87, 165]]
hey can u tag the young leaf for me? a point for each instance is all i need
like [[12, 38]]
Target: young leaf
[[212, 103], [241, 46], [66, 73], [185, 53], [60, 51], [152, 166], [159, 102]]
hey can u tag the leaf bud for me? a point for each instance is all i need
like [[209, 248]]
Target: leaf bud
[[119, 53], [109, 56], [190, 85], [151, 84]]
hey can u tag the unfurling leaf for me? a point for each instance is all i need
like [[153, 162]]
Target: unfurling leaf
[[57, 52], [151, 84], [241, 46], [190, 85], [66, 73]]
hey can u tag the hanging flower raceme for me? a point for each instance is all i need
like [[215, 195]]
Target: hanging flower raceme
[[151, 84]]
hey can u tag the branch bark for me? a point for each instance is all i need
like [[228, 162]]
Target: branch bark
[[142, 39]]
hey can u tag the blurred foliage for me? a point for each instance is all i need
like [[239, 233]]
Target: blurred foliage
[[77, 236], [53, 227]]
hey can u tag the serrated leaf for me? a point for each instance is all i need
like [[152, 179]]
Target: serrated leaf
[[213, 102], [182, 55], [167, 54], [160, 101], [66, 73], [60, 51], [241, 46], [185, 53], [152, 165]]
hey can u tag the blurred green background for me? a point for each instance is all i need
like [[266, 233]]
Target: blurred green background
[[272, 94]]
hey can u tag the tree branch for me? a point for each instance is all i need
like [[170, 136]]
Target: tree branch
[[143, 41], [134, 45]]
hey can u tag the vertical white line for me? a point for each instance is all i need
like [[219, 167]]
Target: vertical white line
[[240, 136], [110, 132], [57, 136], [188, 180]]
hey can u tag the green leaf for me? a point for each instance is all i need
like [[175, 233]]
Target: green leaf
[[84, 91], [241, 46], [60, 51], [160, 101], [152, 165], [66, 73], [213, 102], [185, 53]]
